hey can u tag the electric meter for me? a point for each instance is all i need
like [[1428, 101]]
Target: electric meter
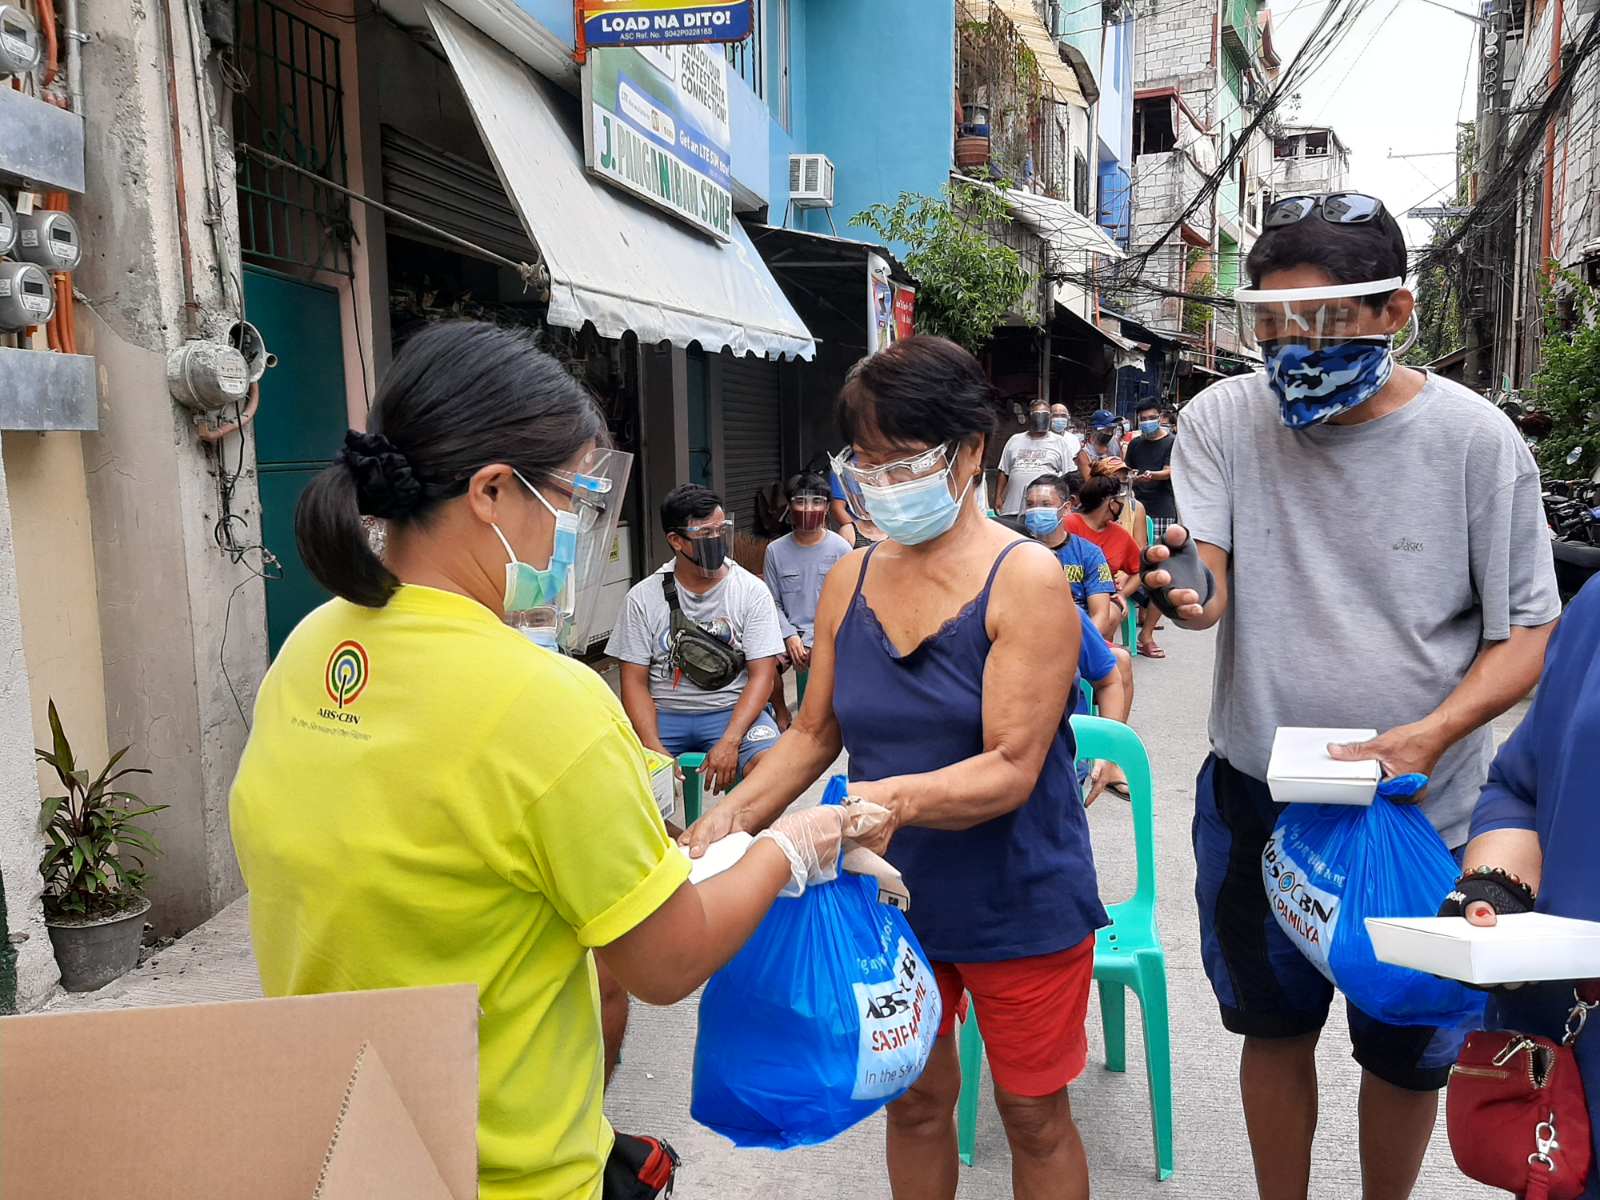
[[48, 238], [206, 376], [8, 226], [19, 41], [26, 297]]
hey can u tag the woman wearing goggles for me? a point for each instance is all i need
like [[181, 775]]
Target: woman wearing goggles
[[943, 660]]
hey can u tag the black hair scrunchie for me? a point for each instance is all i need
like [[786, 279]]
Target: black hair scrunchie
[[386, 486]]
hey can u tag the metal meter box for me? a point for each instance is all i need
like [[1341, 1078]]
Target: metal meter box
[[48, 238], [206, 376], [19, 41], [8, 227], [26, 297]]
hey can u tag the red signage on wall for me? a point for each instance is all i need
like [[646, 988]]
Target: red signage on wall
[[905, 311]]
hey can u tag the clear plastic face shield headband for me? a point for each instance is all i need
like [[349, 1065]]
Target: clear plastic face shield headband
[[1314, 316]]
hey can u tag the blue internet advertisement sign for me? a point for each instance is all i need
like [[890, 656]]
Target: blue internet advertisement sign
[[664, 22]]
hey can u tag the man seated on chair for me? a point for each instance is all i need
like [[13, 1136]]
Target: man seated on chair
[[796, 565], [671, 713]]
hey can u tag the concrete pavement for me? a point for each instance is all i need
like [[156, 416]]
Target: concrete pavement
[[651, 1091]]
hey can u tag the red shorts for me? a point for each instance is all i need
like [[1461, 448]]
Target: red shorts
[[1031, 1012]]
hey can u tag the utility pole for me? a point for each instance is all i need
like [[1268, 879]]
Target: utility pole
[[1484, 289]]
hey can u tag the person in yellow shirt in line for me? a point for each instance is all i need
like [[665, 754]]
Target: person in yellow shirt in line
[[433, 795]]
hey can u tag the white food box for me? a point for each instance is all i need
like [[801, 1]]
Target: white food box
[[1300, 771], [1518, 948]]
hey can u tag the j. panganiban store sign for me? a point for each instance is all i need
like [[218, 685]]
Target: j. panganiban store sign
[[656, 125]]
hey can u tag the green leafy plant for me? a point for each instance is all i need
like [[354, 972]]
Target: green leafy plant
[[88, 866], [967, 280], [1197, 313], [1567, 383]]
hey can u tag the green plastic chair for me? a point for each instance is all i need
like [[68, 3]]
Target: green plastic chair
[[1130, 630], [1127, 955], [690, 765]]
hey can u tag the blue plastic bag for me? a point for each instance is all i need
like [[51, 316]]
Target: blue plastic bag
[[828, 1013], [1328, 867]]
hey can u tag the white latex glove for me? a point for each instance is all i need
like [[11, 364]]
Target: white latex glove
[[811, 839]]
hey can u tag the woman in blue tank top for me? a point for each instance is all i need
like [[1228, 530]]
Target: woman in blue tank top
[[943, 663]]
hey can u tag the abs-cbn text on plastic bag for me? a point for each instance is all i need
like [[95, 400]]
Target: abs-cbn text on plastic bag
[[828, 1013], [1326, 868]]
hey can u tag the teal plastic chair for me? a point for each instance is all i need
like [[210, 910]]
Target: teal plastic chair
[[1130, 630], [690, 765], [1086, 690], [1127, 956]]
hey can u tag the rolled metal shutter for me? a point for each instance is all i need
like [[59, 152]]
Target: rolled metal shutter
[[459, 196], [752, 451]]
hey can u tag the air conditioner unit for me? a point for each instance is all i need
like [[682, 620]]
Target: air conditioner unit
[[811, 181]]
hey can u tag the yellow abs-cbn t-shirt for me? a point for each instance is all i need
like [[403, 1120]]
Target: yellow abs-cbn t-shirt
[[429, 798]]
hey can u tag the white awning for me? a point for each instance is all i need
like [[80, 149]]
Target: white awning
[[613, 262]]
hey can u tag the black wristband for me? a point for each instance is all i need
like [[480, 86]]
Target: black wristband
[[1186, 570], [1500, 890]]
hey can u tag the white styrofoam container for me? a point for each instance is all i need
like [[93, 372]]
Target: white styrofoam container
[[1518, 948], [1300, 771]]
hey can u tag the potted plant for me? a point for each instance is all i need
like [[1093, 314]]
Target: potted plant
[[94, 900]]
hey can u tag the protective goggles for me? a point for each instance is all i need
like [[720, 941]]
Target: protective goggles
[[1332, 313], [1336, 208], [594, 492], [852, 475], [709, 532]]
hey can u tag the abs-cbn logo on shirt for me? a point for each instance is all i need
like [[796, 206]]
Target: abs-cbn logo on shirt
[[348, 672]]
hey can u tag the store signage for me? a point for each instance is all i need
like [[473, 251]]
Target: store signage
[[657, 126], [663, 22], [891, 307]]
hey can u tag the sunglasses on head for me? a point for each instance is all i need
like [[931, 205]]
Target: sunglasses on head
[[1336, 208]]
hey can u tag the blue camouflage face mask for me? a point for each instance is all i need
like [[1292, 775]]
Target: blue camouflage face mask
[[1317, 383]]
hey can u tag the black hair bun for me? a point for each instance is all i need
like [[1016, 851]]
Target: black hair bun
[[386, 486]]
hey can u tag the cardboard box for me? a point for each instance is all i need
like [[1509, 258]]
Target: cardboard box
[[1300, 771], [338, 1097], [1519, 948], [663, 783]]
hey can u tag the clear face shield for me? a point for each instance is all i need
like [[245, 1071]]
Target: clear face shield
[[859, 482], [593, 494], [1324, 348], [808, 511], [710, 542]]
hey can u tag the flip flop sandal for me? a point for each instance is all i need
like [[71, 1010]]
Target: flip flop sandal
[[1120, 790], [1153, 651]]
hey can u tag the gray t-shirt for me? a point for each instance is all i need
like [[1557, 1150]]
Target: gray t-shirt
[[739, 610], [794, 575], [1369, 564], [1028, 456]]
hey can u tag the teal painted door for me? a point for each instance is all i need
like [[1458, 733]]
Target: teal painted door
[[299, 427]]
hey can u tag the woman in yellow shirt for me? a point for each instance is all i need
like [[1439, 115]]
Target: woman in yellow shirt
[[431, 796]]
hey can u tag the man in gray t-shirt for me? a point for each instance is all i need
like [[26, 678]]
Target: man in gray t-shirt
[[1037, 451], [796, 565], [1380, 561], [729, 725]]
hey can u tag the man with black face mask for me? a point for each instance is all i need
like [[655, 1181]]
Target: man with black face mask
[[1039, 450], [1308, 489], [671, 713]]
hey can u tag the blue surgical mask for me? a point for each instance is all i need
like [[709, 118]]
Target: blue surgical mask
[[1316, 383], [528, 587], [916, 511], [1149, 428], [1041, 522], [1059, 424]]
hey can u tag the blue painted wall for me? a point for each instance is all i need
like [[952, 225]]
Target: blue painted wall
[[879, 93], [555, 15]]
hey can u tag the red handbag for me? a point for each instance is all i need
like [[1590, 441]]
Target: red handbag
[[1516, 1112]]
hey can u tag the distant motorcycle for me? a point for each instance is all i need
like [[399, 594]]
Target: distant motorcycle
[[1572, 509]]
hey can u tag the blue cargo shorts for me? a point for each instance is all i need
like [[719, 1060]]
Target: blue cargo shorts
[[697, 732]]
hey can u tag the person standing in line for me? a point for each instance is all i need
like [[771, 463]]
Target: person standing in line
[[1303, 487], [1034, 452], [1061, 425], [1150, 456], [943, 663], [796, 565], [1105, 436]]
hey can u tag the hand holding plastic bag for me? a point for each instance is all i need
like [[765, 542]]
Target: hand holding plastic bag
[[812, 839], [1327, 868]]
